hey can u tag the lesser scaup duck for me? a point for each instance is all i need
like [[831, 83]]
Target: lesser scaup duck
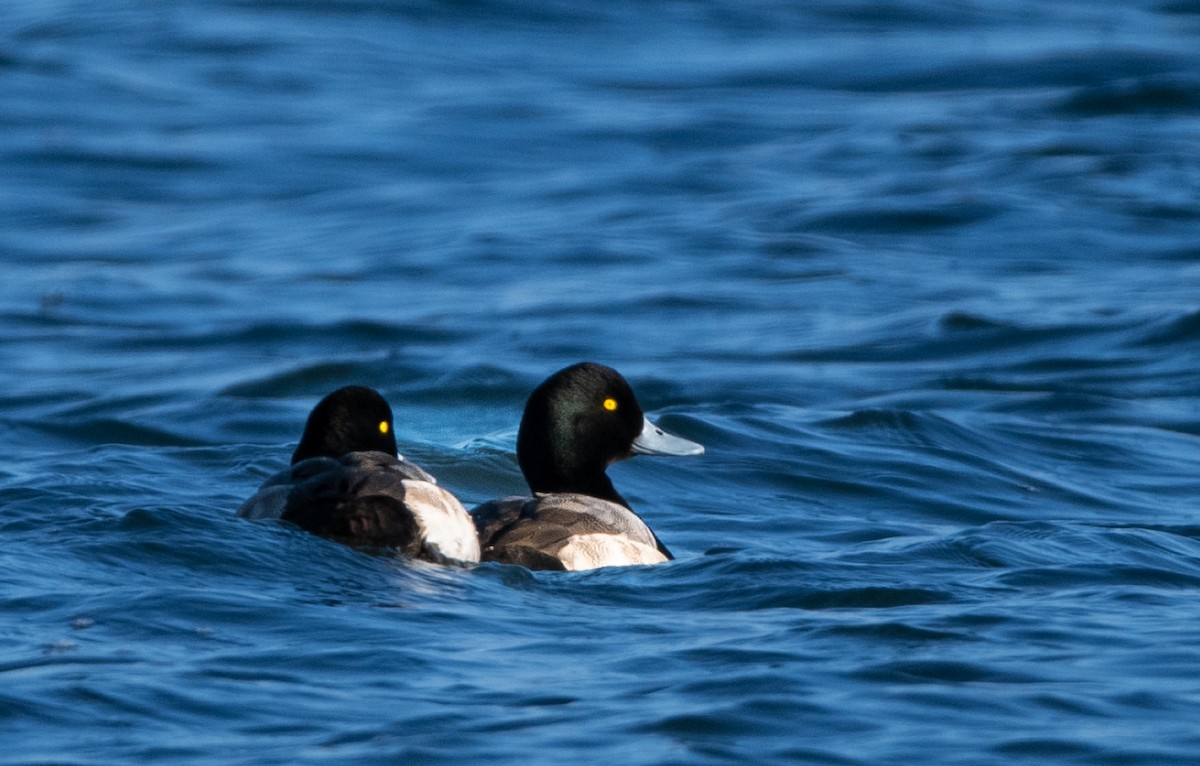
[[347, 483], [578, 422]]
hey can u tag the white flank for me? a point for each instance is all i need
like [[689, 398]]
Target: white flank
[[447, 529], [602, 550]]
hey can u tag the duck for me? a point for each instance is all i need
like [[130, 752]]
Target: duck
[[576, 423], [348, 483]]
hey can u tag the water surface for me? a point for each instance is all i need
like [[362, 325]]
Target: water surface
[[922, 276]]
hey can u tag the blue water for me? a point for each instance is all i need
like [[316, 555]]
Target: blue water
[[924, 277]]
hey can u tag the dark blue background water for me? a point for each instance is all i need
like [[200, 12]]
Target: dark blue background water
[[923, 276]]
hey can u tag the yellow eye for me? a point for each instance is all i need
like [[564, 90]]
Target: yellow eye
[[610, 404], [383, 426]]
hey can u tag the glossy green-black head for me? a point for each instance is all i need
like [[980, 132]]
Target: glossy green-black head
[[578, 422], [351, 419]]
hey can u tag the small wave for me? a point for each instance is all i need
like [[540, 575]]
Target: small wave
[[899, 219], [351, 333], [885, 420], [1100, 576], [1183, 328], [898, 632], [1058, 748], [313, 380], [941, 672], [89, 430], [965, 321], [1151, 95], [1181, 7]]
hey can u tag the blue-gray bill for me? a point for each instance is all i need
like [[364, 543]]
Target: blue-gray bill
[[653, 440]]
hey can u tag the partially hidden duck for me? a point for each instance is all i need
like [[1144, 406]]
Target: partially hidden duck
[[346, 482]]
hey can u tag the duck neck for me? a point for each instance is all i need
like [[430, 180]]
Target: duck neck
[[593, 483]]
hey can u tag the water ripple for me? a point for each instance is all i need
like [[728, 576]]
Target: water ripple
[[919, 276]]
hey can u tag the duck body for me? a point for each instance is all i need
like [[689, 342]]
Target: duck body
[[565, 531], [577, 423], [347, 483]]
